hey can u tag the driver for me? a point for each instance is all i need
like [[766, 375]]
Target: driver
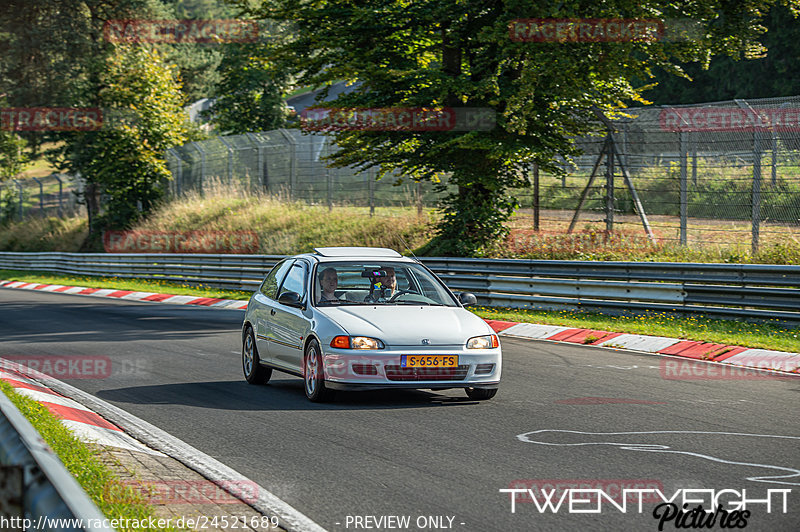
[[329, 281]]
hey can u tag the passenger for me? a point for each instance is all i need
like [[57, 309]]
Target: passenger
[[384, 286], [329, 281]]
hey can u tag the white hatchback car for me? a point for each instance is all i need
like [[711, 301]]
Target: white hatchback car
[[366, 318]]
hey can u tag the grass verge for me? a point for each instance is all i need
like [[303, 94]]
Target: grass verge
[[114, 499], [765, 335], [138, 285]]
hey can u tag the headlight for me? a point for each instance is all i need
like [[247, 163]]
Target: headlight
[[356, 342], [483, 342]]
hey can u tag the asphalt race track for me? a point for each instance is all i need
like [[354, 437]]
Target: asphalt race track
[[437, 459]]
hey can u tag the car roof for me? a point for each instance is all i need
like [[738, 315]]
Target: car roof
[[332, 254], [356, 252]]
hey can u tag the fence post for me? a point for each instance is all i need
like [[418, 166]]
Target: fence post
[[756, 200], [178, 172], [371, 180], [774, 149], [202, 166], [292, 161], [230, 159], [60, 196], [536, 197], [419, 199], [610, 186], [328, 178], [693, 142], [41, 197], [19, 188], [259, 157], [684, 186]]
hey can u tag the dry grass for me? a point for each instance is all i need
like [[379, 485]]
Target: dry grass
[[287, 227]]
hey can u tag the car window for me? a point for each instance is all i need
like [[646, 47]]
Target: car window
[[270, 285], [295, 280], [369, 282]]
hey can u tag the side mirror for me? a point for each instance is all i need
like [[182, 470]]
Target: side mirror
[[467, 299], [290, 299]]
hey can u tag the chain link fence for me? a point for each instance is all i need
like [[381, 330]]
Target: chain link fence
[[53, 195], [720, 174], [290, 164], [723, 174]]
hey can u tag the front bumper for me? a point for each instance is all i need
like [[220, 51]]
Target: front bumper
[[374, 369]]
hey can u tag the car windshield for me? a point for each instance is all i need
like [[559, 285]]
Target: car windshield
[[378, 283]]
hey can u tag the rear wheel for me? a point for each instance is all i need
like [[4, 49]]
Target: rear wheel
[[254, 372], [314, 375], [480, 394]]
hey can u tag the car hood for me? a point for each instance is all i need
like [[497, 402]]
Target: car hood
[[409, 325]]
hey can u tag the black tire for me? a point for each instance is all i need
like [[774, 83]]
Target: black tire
[[480, 394], [314, 375], [254, 372]]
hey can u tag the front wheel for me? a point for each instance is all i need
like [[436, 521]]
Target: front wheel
[[480, 394], [314, 375], [254, 372]]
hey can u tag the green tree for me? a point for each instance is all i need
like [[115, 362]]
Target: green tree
[[727, 77], [249, 95], [13, 157], [125, 160], [459, 54]]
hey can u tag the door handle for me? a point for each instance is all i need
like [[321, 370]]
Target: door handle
[[272, 312]]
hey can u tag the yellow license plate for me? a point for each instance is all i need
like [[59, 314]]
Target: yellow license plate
[[429, 361]]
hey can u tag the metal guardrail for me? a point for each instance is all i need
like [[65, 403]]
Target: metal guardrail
[[732, 290], [50, 499]]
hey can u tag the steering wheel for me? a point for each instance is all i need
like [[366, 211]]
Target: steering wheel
[[398, 294]]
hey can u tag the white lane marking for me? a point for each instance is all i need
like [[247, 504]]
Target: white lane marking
[[180, 300], [74, 290], [533, 330], [656, 448], [136, 296]]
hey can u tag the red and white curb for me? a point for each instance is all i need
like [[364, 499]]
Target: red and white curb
[[728, 354], [85, 424], [764, 359], [130, 295], [90, 416]]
